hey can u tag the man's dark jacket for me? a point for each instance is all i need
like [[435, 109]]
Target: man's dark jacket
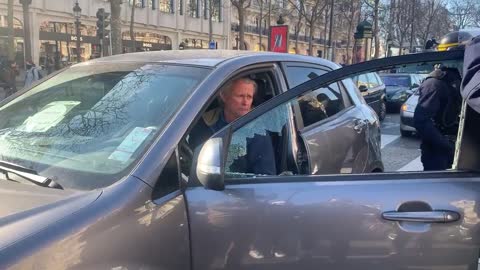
[[471, 74], [260, 157], [437, 111]]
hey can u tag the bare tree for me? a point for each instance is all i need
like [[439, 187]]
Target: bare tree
[[132, 21], [350, 10], [265, 8], [116, 26], [402, 21], [26, 29], [311, 10], [426, 23], [10, 43], [412, 25], [297, 18], [241, 6], [464, 12], [372, 10]]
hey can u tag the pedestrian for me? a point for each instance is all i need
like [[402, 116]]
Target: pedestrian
[[32, 74], [436, 117], [431, 44], [9, 77], [50, 65]]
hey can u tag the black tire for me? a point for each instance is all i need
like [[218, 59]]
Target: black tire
[[405, 133], [383, 110]]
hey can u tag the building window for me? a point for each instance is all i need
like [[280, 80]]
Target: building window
[[217, 10], [165, 6], [180, 7], [193, 8], [152, 4], [138, 3]]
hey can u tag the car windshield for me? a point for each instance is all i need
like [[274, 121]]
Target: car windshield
[[396, 80], [90, 123]]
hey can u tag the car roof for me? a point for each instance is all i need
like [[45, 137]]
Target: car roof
[[208, 58]]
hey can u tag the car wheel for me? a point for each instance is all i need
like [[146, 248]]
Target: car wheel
[[405, 133], [383, 110]]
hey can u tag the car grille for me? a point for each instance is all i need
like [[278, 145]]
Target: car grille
[[407, 121]]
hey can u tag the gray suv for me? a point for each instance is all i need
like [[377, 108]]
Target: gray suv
[[98, 173]]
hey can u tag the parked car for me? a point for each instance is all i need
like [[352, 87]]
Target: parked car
[[407, 110], [399, 87], [373, 91], [112, 133]]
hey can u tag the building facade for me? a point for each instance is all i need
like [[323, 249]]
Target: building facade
[[159, 25]]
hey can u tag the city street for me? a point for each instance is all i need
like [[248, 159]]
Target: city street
[[399, 153]]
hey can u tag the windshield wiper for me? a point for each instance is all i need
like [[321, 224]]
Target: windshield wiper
[[27, 174]]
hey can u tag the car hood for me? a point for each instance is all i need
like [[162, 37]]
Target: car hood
[[412, 100], [391, 90], [27, 209]]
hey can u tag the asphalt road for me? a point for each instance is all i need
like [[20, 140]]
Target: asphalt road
[[399, 153]]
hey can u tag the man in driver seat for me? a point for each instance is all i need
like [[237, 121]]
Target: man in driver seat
[[237, 98]]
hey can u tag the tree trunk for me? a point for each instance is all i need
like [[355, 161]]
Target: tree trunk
[[26, 29], [116, 26], [310, 40], [132, 21], [260, 26], [376, 30], [412, 33], [11, 43], [241, 26], [210, 20], [297, 33]]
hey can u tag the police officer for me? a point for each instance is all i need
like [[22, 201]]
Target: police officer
[[436, 117], [471, 78]]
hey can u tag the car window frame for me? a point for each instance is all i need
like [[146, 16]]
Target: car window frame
[[286, 65], [337, 75], [272, 66]]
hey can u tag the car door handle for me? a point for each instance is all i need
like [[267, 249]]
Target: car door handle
[[440, 216], [359, 125]]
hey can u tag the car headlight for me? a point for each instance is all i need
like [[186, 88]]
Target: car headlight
[[407, 108], [400, 95]]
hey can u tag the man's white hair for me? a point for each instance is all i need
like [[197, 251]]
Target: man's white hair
[[227, 88]]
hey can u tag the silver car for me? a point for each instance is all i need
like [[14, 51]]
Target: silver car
[[98, 173], [407, 110]]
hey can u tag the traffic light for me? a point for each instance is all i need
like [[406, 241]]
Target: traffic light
[[102, 23]]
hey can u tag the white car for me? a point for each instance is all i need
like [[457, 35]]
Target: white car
[[406, 115]]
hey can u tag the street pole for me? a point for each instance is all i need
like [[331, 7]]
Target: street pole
[[210, 23], [330, 33], [77, 25], [77, 12]]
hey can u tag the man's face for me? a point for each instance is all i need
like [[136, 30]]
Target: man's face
[[238, 101]]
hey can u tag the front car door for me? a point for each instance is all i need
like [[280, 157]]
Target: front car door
[[358, 221], [329, 121]]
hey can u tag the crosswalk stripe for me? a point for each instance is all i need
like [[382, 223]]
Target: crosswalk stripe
[[386, 139], [414, 165]]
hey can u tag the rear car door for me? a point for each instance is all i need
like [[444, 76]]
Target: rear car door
[[359, 221], [329, 121]]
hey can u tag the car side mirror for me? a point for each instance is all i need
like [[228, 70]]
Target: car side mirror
[[209, 168], [363, 88]]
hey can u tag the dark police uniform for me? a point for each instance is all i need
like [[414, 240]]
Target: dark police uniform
[[436, 118], [471, 74]]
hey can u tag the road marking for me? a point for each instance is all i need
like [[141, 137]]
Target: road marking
[[386, 139], [412, 166]]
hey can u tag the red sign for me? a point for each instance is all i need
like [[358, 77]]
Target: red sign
[[278, 41]]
